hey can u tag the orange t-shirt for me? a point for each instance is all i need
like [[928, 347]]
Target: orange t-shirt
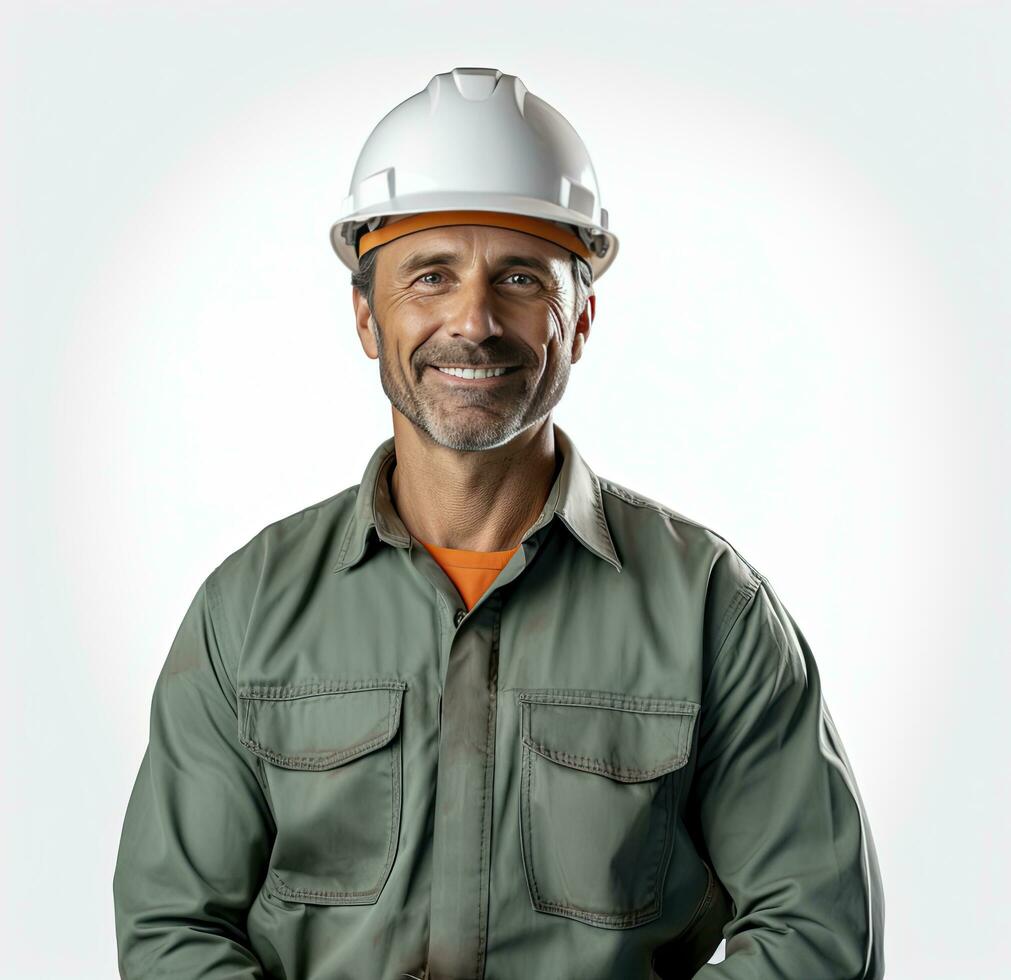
[[470, 571]]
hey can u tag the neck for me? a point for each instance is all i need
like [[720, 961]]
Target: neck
[[478, 501]]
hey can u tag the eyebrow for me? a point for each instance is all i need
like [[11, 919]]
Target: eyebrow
[[419, 260], [529, 262]]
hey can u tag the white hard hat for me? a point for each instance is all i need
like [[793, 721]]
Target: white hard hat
[[475, 147]]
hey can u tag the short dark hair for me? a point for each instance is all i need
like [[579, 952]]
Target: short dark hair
[[365, 278]]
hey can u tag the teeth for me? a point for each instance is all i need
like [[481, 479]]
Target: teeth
[[473, 372]]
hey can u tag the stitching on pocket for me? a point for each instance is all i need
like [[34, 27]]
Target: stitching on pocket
[[525, 840], [701, 909], [671, 796], [705, 903], [606, 699], [347, 897], [289, 692], [337, 756], [388, 738], [322, 762], [685, 711], [588, 764], [636, 917]]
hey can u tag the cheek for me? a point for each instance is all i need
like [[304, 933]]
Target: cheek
[[406, 332], [542, 325], [557, 324]]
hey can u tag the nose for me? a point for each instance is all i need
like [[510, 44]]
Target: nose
[[473, 315]]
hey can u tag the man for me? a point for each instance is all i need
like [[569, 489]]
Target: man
[[487, 714]]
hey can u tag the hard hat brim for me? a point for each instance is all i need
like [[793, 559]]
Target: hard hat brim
[[443, 201]]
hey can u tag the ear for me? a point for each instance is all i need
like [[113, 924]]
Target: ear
[[583, 326], [364, 323]]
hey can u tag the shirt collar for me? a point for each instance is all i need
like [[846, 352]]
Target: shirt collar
[[575, 498]]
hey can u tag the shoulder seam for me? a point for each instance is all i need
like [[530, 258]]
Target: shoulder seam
[[623, 493], [309, 508], [742, 601], [213, 596], [249, 542]]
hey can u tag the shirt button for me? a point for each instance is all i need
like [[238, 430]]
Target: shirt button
[[458, 618]]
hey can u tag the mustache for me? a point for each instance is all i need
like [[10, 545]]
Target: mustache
[[498, 359]]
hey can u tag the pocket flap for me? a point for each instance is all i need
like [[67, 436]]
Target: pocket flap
[[625, 737], [320, 725]]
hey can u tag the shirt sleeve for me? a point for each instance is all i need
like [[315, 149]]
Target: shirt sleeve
[[778, 808], [197, 833]]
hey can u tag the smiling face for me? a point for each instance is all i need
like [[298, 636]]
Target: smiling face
[[475, 298]]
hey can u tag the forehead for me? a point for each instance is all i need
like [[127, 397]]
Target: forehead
[[465, 244]]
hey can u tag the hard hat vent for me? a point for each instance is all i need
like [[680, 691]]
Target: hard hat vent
[[476, 84]]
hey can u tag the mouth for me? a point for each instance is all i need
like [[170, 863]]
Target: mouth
[[474, 377]]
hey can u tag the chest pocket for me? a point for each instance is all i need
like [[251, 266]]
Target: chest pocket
[[331, 758], [601, 778]]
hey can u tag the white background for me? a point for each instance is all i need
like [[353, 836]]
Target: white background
[[803, 343]]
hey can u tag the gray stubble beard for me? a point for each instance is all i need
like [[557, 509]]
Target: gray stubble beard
[[463, 438]]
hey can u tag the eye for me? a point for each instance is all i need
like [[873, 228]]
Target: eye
[[530, 279], [425, 275]]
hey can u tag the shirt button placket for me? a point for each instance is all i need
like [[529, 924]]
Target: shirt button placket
[[462, 828]]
